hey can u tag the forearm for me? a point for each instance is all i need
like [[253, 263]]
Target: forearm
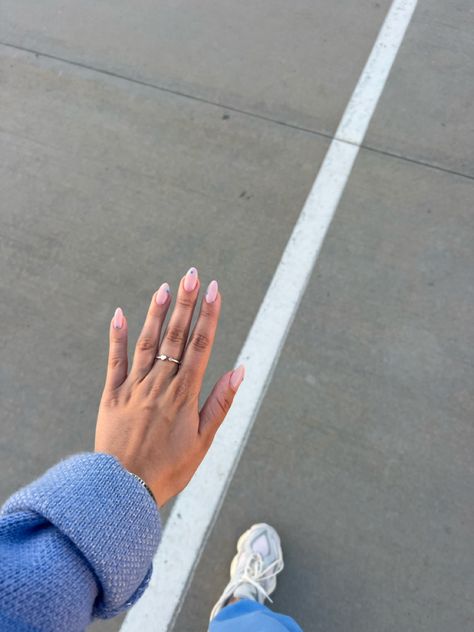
[[75, 544]]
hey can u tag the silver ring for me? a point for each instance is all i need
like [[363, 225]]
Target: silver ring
[[169, 358]]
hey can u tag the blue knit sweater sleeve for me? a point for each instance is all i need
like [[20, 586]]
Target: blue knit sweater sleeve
[[75, 544]]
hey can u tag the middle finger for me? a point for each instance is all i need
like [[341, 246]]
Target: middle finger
[[176, 335]]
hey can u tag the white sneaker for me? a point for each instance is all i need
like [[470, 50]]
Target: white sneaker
[[254, 569]]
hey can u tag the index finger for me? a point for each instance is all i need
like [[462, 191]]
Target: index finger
[[198, 350]]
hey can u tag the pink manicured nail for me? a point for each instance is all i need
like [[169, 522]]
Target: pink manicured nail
[[118, 319], [211, 293], [190, 279], [162, 294], [237, 377]]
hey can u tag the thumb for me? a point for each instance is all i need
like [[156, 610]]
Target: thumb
[[218, 404]]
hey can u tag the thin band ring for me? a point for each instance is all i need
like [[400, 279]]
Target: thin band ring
[[169, 358]]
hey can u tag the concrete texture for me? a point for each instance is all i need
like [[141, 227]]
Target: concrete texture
[[426, 112], [297, 64], [362, 452], [275, 59], [361, 455], [109, 189]]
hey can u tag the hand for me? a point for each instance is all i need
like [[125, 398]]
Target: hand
[[149, 418]]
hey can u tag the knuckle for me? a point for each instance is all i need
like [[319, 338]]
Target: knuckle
[[154, 387], [200, 342], [208, 311], [156, 390], [185, 302], [110, 400], [223, 404], [116, 362], [183, 388], [175, 335], [146, 343], [148, 408]]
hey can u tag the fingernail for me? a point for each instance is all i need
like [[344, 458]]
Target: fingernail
[[237, 377], [162, 294], [118, 319], [190, 279], [211, 292]]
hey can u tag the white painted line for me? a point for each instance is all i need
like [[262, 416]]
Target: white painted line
[[195, 511]]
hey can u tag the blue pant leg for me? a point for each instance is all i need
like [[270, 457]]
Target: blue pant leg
[[247, 615]]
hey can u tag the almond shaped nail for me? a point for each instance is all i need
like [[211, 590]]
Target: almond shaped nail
[[237, 377], [162, 294], [118, 318], [190, 280], [211, 293]]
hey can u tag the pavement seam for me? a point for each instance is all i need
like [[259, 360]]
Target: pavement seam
[[231, 108]]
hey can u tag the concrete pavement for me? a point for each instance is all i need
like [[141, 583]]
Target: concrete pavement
[[362, 452]]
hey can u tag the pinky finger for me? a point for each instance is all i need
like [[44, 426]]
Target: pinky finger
[[118, 361]]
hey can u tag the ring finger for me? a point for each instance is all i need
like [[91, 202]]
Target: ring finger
[[149, 339]]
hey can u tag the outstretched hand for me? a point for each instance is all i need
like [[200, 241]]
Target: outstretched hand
[[149, 417]]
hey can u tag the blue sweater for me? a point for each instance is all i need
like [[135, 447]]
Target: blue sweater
[[75, 544]]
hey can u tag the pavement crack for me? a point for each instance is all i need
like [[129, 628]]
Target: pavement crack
[[231, 108]]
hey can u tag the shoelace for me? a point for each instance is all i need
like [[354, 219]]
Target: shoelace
[[254, 574]]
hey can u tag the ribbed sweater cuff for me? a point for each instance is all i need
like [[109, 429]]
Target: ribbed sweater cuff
[[108, 516]]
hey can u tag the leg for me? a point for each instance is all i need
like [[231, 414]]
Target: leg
[[246, 615], [252, 579]]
